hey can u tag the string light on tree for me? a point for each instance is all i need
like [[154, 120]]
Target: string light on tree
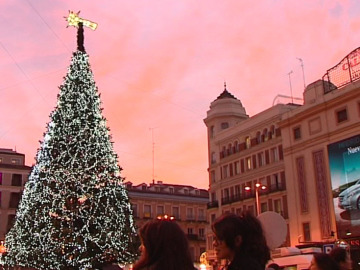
[[75, 211]]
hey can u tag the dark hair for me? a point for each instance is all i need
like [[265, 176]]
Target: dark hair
[[274, 266], [166, 247], [338, 254], [253, 248], [325, 262]]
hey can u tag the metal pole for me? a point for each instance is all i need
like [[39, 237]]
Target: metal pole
[[257, 200]]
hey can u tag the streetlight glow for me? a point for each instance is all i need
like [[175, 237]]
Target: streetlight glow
[[257, 202]]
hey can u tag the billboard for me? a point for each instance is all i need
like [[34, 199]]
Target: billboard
[[344, 163]]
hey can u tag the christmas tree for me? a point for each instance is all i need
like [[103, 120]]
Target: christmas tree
[[75, 211]]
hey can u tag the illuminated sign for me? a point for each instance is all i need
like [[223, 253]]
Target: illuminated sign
[[344, 164]]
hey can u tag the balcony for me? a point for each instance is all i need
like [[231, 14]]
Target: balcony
[[213, 204]]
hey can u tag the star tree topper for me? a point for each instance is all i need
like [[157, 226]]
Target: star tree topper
[[73, 19]]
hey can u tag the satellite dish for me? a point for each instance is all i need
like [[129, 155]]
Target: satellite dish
[[275, 228]]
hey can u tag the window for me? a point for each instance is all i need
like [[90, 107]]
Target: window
[[247, 142], [190, 230], [248, 163], [224, 125], [297, 133], [175, 212], [134, 210], [212, 132], [266, 134], [0, 178], [186, 191], [201, 213], [15, 161], [226, 194], [0, 198], [160, 210], [14, 199], [190, 214], [201, 232], [272, 131], [143, 187], [258, 137], [171, 190], [237, 167], [16, 180], [213, 157], [274, 154], [225, 171], [261, 159], [1, 160], [213, 196], [236, 147], [147, 211], [275, 181], [306, 232], [277, 206], [212, 176], [341, 115]]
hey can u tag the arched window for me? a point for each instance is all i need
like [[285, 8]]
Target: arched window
[[230, 150], [272, 131], [247, 142], [258, 137], [236, 146], [266, 134]]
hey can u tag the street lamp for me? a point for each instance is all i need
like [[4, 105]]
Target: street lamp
[[257, 187]]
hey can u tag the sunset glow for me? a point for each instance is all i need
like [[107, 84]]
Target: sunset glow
[[158, 66]]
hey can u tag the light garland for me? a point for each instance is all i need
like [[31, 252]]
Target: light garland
[[75, 211]]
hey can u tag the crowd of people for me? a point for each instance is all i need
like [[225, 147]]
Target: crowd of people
[[238, 240]]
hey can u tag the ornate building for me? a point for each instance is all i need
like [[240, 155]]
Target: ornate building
[[246, 162], [186, 204], [13, 175], [307, 157]]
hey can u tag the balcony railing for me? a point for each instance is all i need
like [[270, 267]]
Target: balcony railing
[[213, 204], [251, 194]]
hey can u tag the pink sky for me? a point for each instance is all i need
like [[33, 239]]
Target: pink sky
[[158, 66]]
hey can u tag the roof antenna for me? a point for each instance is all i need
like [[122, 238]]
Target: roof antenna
[[302, 67], [292, 99], [153, 155]]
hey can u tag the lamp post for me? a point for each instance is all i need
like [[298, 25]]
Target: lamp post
[[257, 201]]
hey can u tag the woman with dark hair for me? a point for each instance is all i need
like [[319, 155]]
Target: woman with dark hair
[[323, 261], [240, 240], [342, 258], [163, 246]]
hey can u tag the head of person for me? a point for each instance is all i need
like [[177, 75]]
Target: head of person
[[342, 258], [322, 261], [239, 239], [163, 246], [274, 266]]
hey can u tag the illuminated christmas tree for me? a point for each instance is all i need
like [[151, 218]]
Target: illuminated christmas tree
[[75, 211]]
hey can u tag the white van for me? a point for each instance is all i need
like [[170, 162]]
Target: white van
[[291, 258]]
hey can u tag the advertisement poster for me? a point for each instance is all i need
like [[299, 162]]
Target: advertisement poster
[[344, 159]]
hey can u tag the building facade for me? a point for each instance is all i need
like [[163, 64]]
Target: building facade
[[245, 155], [186, 204], [13, 175], [321, 141], [307, 156]]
